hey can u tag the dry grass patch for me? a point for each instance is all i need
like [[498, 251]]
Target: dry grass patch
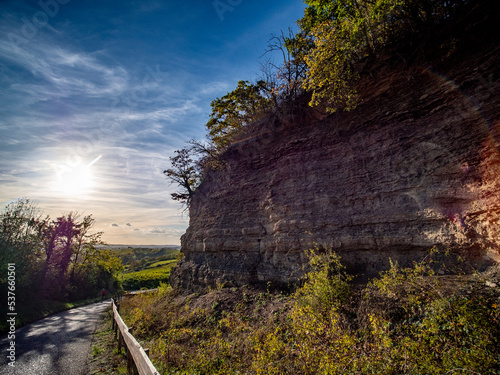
[[104, 357], [406, 321]]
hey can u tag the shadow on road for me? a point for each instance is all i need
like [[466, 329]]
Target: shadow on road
[[58, 344]]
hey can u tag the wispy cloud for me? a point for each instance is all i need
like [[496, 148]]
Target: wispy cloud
[[61, 73], [67, 112], [125, 88]]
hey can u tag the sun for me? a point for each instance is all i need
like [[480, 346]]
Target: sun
[[76, 181]]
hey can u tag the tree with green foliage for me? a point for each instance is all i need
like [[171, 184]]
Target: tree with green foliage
[[230, 113], [21, 238], [97, 268], [343, 32], [336, 35], [235, 109]]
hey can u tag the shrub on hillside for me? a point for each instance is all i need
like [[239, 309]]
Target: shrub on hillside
[[404, 322]]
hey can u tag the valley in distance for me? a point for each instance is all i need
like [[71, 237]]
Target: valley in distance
[[121, 246]]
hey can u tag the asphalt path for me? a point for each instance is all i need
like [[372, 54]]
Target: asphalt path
[[58, 344]]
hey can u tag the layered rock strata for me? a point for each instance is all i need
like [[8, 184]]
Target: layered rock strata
[[416, 165]]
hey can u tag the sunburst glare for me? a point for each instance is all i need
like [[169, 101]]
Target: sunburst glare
[[78, 180]]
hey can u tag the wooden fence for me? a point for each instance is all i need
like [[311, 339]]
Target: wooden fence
[[137, 358]]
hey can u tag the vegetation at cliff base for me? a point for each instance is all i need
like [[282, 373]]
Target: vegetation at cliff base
[[406, 321]]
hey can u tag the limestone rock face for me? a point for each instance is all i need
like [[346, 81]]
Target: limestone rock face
[[416, 165]]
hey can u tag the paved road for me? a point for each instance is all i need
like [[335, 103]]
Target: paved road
[[57, 345]]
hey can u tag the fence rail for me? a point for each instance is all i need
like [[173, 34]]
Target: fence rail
[[137, 358]]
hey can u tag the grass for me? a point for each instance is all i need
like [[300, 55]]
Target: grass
[[161, 263], [136, 259], [104, 357], [145, 252], [148, 278]]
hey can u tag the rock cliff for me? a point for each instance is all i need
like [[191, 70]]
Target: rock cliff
[[416, 165]]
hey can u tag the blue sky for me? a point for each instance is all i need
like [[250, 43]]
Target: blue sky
[[96, 95]]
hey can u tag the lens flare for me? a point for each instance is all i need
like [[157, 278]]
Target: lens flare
[[77, 180]]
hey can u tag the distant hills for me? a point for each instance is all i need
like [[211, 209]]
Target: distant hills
[[123, 246]]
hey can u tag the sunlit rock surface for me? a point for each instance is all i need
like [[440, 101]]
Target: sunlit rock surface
[[416, 165]]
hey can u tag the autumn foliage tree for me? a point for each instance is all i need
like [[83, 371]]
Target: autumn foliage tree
[[54, 259], [337, 34], [236, 109]]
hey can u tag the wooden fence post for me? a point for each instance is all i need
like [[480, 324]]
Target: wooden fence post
[[131, 369], [120, 342], [138, 361]]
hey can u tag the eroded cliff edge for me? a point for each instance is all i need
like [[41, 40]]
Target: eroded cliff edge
[[416, 165]]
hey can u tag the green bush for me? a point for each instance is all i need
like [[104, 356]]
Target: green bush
[[326, 285], [441, 331], [406, 323]]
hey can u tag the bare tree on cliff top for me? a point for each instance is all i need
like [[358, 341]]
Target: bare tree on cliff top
[[186, 173]]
